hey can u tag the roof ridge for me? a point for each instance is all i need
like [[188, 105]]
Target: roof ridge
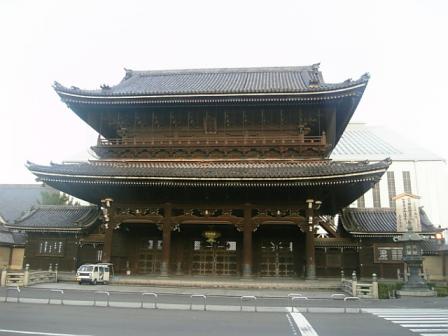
[[369, 209], [130, 72]]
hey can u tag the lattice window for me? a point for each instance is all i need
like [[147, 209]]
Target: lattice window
[[51, 247], [391, 188], [99, 255], [396, 254]]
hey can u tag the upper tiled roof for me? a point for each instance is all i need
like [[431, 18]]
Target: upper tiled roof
[[377, 220], [361, 141], [209, 170], [57, 217], [15, 199], [217, 81]]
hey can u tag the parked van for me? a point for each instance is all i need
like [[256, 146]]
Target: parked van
[[94, 273]]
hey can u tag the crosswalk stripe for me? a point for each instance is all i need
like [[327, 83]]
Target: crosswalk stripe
[[415, 325], [306, 329], [416, 321], [415, 314], [416, 318], [444, 331], [426, 322]]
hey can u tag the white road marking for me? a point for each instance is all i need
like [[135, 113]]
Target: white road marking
[[407, 311], [414, 325], [432, 322], [37, 333], [416, 321], [292, 325], [444, 331], [304, 326], [412, 314], [407, 318]]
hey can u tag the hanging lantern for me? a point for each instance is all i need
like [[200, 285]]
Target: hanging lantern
[[211, 235]]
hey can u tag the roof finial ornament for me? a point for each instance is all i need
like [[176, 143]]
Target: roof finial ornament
[[365, 77], [129, 73], [104, 87], [315, 78]]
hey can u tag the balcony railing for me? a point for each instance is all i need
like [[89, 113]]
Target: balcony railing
[[215, 141]]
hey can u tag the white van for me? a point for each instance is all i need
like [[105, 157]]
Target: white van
[[94, 273]]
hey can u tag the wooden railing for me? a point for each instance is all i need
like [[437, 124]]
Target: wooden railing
[[214, 141]]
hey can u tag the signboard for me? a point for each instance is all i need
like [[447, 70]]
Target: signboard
[[387, 253]]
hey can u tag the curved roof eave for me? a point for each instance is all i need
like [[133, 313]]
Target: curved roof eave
[[44, 172], [95, 95]]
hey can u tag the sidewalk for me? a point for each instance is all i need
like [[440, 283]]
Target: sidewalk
[[220, 286]]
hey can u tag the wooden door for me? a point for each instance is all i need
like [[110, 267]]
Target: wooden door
[[216, 259], [149, 256], [277, 258]]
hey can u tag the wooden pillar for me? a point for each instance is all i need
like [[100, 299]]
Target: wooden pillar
[[247, 243], [310, 250], [110, 226], [166, 246], [107, 247]]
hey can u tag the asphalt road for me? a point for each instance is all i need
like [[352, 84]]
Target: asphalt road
[[57, 320]]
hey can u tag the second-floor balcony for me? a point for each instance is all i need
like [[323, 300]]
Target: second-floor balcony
[[215, 141]]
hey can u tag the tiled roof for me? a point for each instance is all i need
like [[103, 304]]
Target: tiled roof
[[8, 237], [335, 242], [377, 220], [431, 246], [209, 170], [217, 81], [15, 199], [57, 217]]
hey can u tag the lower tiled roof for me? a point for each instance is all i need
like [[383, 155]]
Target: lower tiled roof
[[432, 246], [377, 220], [335, 242], [209, 170], [57, 218], [8, 237]]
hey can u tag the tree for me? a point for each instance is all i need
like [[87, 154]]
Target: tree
[[56, 198]]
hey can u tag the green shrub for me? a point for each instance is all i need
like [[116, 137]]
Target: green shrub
[[439, 288], [386, 289], [441, 291]]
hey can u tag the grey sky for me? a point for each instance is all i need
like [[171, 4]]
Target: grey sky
[[402, 44]]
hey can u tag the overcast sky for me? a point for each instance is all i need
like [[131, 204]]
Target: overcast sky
[[402, 44]]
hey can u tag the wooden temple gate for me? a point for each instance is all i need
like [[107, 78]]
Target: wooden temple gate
[[242, 241]]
